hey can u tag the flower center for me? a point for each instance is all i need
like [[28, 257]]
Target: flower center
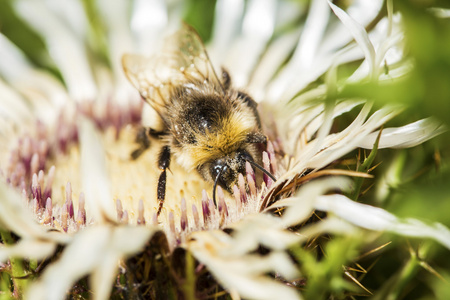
[[45, 167]]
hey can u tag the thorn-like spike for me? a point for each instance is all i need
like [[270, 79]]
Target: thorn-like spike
[[251, 185], [48, 216], [48, 204], [34, 164], [81, 209], [64, 217], [141, 219], [205, 207], [34, 181], [237, 197], [119, 210], [273, 162], [81, 202], [68, 191], [249, 170], [155, 219], [36, 191], [183, 218], [266, 164], [50, 178], [43, 148], [222, 205], [80, 218], [172, 222], [41, 179], [124, 217], [196, 216], [69, 199], [36, 206], [212, 207], [270, 148], [242, 190]]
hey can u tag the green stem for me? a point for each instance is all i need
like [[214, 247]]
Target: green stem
[[18, 272], [364, 168], [409, 271], [189, 284], [4, 286]]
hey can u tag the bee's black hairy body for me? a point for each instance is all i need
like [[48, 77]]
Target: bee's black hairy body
[[207, 126]]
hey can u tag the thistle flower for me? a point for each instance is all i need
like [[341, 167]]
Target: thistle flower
[[71, 198]]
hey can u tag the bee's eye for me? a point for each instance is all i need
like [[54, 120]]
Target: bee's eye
[[243, 156]]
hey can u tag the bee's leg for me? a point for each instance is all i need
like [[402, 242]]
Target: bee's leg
[[252, 104], [226, 79], [155, 133], [163, 164], [256, 138], [144, 143], [142, 138]]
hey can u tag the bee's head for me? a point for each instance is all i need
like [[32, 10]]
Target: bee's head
[[225, 170]]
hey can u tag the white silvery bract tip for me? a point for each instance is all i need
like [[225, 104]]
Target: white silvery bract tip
[[69, 189]]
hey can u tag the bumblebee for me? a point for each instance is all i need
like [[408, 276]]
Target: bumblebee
[[205, 124]]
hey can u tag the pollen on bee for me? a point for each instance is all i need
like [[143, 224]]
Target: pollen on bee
[[241, 183], [266, 164], [237, 197]]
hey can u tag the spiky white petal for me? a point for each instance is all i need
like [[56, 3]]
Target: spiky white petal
[[41, 93], [406, 136], [374, 218], [303, 56], [359, 33], [257, 29], [94, 174], [226, 27], [64, 46], [243, 273], [30, 248], [98, 248]]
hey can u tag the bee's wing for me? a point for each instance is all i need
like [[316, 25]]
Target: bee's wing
[[183, 59]]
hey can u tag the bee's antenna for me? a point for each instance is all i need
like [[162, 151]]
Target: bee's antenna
[[215, 185], [262, 169]]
